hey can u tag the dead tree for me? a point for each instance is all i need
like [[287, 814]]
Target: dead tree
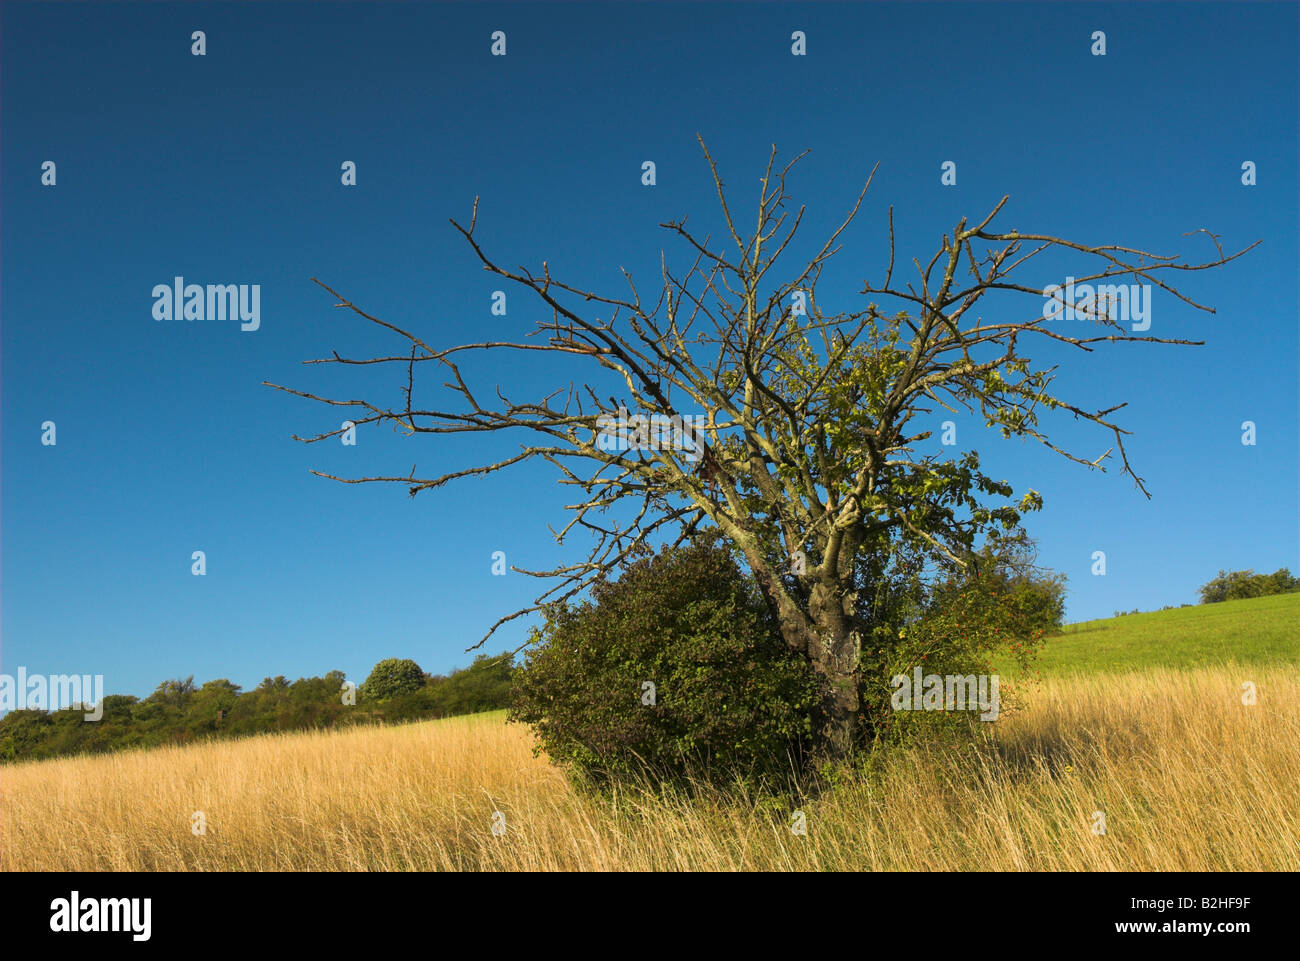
[[811, 420]]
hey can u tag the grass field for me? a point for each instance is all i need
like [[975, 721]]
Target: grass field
[[1140, 719], [1259, 631], [1188, 778]]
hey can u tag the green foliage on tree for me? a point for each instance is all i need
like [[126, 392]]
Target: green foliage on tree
[[959, 619], [730, 697], [483, 686], [392, 677], [676, 668], [178, 712], [1237, 585], [1005, 566]]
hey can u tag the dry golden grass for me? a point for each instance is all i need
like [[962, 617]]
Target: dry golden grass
[[1188, 779]]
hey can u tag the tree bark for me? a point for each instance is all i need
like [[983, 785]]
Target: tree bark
[[827, 638], [833, 651]]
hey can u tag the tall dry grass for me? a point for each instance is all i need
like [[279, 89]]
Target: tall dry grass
[[1187, 776]]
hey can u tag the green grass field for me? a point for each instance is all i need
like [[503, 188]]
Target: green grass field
[[1260, 631]]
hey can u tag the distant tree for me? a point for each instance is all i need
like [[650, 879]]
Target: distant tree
[[177, 712], [216, 695], [1238, 585], [23, 734], [1280, 582], [392, 677], [205, 707], [174, 693], [483, 686]]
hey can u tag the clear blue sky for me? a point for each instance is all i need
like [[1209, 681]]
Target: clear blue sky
[[225, 169]]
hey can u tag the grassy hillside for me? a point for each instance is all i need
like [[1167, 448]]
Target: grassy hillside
[[1138, 719], [1258, 631], [1186, 776]]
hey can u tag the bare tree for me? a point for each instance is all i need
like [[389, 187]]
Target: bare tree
[[806, 455]]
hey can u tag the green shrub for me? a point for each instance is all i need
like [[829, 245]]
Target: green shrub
[[674, 670], [392, 677]]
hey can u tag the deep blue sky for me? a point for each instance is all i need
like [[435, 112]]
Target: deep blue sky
[[225, 169]]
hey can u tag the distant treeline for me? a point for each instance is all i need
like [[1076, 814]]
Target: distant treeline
[[1239, 585], [179, 712]]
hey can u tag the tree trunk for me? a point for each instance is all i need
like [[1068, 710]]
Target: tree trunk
[[825, 636], [833, 651]]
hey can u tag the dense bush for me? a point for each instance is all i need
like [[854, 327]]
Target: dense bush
[[729, 695], [1237, 585], [675, 669], [392, 677]]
